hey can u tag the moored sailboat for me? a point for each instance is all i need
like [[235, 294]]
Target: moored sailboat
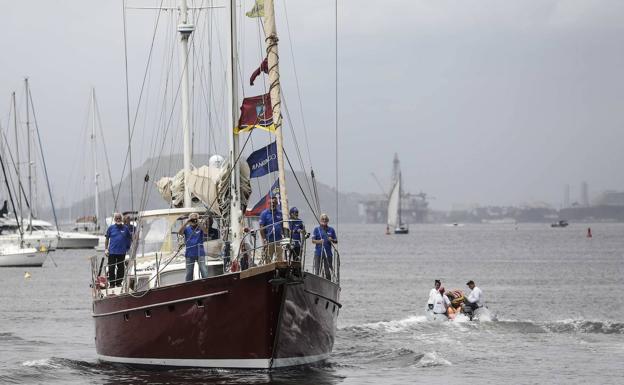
[[272, 314], [395, 220]]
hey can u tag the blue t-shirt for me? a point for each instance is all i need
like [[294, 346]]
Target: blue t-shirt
[[296, 225], [119, 237], [194, 239], [272, 219], [324, 234], [131, 228]]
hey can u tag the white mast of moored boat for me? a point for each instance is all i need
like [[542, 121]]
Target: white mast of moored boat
[[185, 29], [231, 121], [95, 168], [17, 161], [30, 202], [275, 92]]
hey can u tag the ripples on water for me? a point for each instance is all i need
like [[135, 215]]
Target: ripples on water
[[557, 295]]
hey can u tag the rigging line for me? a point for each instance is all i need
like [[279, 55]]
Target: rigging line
[[336, 116], [108, 167], [316, 214], [131, 131], [292, 55], [296, 142], [14, 164], [45, 168], [123, 6], [17, 218]]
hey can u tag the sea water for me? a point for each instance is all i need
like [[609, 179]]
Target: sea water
[[558, 296]]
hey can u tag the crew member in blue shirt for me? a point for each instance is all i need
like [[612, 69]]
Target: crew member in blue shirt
[[194, 233], [115, 246], [323, 237], [127, 220], [297, 230], [271, 232]]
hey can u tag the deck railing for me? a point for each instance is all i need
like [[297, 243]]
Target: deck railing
[[252, 253]]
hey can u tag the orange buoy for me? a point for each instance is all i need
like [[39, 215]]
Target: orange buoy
[[589, 234]]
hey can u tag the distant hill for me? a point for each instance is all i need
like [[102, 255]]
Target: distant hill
[[169, 165]]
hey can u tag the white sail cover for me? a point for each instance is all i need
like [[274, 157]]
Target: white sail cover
[[393, 205], [208, 184], [203, 185]]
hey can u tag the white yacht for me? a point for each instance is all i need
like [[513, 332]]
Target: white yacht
[[42, 233], [11, 255]]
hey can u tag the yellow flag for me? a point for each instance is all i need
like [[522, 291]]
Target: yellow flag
[[257, 10]]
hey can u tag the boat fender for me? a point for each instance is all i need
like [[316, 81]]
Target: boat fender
[[235, 266], [101, 282]]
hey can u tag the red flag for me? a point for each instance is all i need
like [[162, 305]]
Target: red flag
[[256, 112], [264, 202], [264, 67]]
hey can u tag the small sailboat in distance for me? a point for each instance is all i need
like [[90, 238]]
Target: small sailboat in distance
[[395, 221]]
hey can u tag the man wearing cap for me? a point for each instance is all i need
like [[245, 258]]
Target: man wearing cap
[[296, 231], [271, 231], [475, 298], [323, 237], [432, 293], [195, 233], [118, 237]]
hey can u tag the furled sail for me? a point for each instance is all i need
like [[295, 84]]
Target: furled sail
[[393, 205], [209, 185]]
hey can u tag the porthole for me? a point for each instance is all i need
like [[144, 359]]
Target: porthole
[[334, 309], [316, 301], [171, 308], [200, 303], [148, 313], [126, 317], [326, 304]]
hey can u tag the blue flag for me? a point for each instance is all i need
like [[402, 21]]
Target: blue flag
[[263, 161]]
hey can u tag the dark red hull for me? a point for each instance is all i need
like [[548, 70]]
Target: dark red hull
[[233, 320]]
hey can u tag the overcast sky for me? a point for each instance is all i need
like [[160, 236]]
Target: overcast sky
[[489, 102]]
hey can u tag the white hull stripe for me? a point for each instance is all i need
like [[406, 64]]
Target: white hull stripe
[[217, 363]]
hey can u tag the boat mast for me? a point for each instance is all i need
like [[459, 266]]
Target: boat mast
[[400, 194], [232, 119], [185, 29], [30, 211], [275, 92], [17, 158], [95, 168]]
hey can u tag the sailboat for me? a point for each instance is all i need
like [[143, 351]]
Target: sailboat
[[270, 315], [14, 254], [395, 220]]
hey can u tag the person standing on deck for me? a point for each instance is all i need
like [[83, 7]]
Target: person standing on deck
[[271, 232], [475, 298], [323, 237], [115, 247], [432, 293], [127, 220], [194, 234], [297, 231]]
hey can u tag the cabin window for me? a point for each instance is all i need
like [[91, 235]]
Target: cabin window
[[126, 317], [148, 313], [316, 301], [326, 304]]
